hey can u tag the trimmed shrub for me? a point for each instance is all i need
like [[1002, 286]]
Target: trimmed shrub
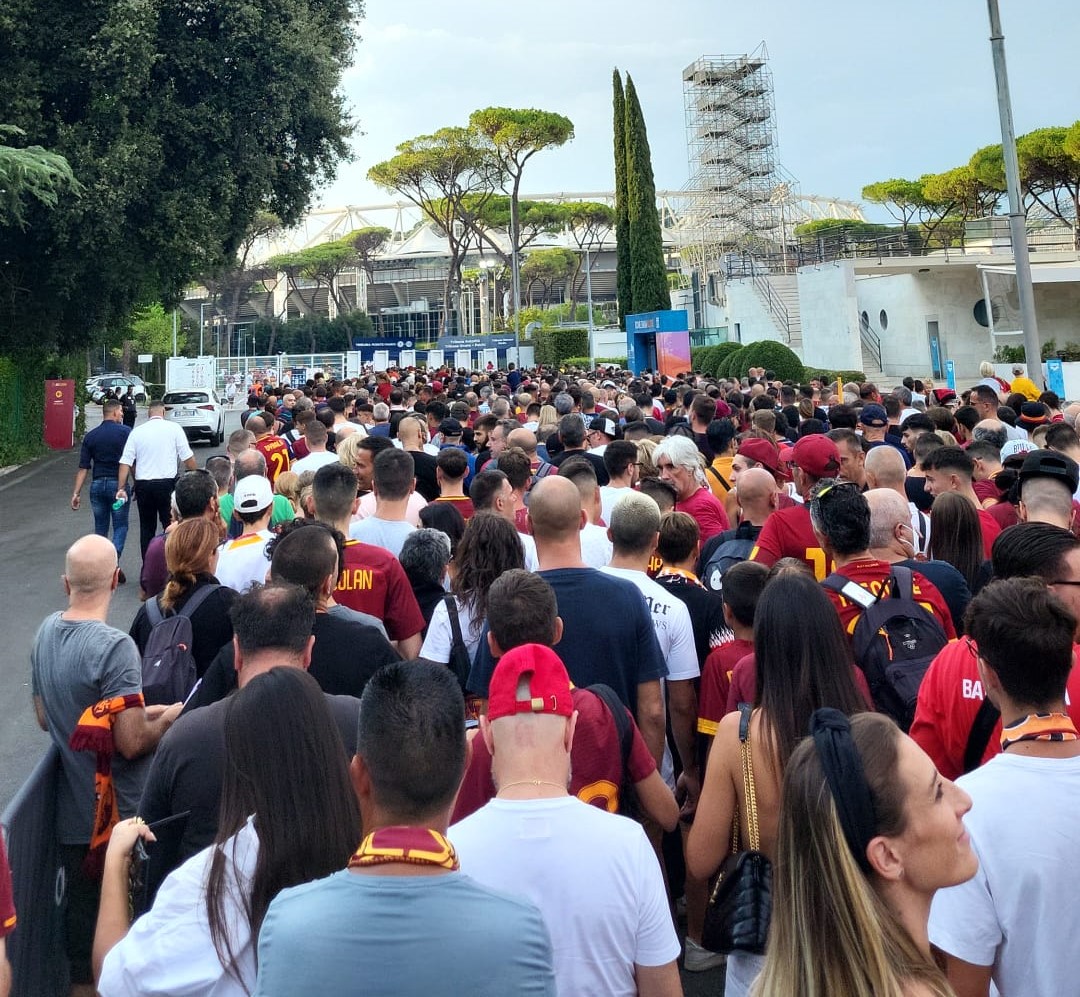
[[732, 365], [556, 346], [721, 353], [773, 356]]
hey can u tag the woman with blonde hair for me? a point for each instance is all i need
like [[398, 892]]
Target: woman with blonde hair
[[287, 483], [191, 551], [347, 449], [646, 467], [868, 833]]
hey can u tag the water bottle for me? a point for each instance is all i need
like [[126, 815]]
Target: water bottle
[[119, 504]]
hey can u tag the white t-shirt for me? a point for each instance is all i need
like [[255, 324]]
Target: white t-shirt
[[544, 850], [313, 461], [532, 561], [440, 636], [609, 495], [243, 560], [1019, 914], [155, 448], [595, 546], [412, 510], [385, 533]]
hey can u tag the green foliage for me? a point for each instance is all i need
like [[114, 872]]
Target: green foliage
[[584, 364], [555, 346], [648, 269], [310, 333], [22, 400], [697, 355], [1009, 354], [830, 376], [34, 173], [903, 199], [727, 366], [772, 356], [988, 166], [622, 207], [546, 268], [1070, 352], [851, 227], [181, 122], [720, 353]]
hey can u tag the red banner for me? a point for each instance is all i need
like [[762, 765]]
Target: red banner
[[59, 415]]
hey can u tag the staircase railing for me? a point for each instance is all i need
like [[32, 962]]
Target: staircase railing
[[747, 265], [871, 343]]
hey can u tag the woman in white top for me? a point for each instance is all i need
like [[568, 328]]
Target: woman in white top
[[283, 757], [489, 546]]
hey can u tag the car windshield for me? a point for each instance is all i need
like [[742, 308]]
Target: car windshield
[[186, 398]]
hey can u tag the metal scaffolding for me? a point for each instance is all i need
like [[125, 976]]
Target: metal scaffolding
[[738, 192]]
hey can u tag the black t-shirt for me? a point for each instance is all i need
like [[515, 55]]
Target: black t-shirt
[[702, 441], [744, 531], [553, 445], [211, 625], [917, 493], [706, 613], [949, 582], [345, 655], [602, 476], [428, 596], [608, 635], [186, 772], [424, 471]]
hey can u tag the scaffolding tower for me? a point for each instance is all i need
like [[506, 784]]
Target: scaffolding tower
[[737, 191]]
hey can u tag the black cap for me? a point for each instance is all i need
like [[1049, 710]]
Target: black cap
[[1050, 464], [450, 427]]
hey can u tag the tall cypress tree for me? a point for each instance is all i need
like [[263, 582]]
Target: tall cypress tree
[[622, 211], [648, 271]]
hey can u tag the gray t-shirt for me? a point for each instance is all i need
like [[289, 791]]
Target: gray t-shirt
[[389, 534], [399, 936], [74, 664], [346, 613]]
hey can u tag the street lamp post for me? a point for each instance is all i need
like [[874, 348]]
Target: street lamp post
[[588, 296], [1017, 218], [202, 305]]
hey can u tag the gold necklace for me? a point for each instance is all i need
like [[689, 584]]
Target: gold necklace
[[531, 782]]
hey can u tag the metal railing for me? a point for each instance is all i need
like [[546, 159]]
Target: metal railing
[[871, 344], [747, 265]]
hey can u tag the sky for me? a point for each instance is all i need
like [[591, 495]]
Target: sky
[[864, 90]]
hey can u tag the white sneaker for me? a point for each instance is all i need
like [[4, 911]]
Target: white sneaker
[[699, 960]]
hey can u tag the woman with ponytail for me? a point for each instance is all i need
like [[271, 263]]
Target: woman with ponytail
[[868, 832], [191, 550]]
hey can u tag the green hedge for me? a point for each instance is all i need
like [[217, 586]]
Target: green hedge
[[857, 376], [720, 354], [22, 402], [585, 364], [773, 356], [556, 346]]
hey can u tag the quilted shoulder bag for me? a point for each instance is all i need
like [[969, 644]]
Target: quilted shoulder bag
[[740, 905]]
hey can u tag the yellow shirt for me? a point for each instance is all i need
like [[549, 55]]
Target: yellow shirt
[[721, 465], [1026, 387]]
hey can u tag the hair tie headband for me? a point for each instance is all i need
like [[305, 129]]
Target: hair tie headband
[[831, 731]]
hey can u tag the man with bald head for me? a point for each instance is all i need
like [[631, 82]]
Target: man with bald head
[[891, 540], [757, 497], [526, 440], [608, 633], [273, 448], [79, 661], [885, 468]]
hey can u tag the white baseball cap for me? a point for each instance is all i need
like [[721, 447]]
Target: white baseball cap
[[252, 494]]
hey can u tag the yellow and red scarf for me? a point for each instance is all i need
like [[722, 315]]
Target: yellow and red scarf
[[412, 845], [1039, 727], [93, 732]]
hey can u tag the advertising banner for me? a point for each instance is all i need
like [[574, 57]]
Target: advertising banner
[[60, 414]]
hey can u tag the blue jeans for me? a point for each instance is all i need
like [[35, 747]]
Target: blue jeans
[[102, 496]]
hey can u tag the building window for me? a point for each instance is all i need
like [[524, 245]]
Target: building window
[[883, 318], [864, 323]]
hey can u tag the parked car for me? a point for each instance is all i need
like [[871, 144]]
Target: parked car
[[97, 386], [199, 412]]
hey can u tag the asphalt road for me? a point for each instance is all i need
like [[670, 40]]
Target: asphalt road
[[37, 526]]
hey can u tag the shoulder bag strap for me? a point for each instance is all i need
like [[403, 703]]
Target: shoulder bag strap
[[748, 777], [455, 620], [719, 477], [979, 736], [153, 611], [197, 598]]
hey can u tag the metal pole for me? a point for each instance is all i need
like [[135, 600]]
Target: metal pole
[[588, 295], [174, 332], [201, 307], [1017, 218]]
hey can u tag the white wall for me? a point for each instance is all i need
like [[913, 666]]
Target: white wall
[[830, 318], [746, 309]]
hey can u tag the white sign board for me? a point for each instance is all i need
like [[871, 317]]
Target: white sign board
[[183, 372], [463, 359], [146, 358], [381, 360], [407, 358], [435, 359], [490, 357]]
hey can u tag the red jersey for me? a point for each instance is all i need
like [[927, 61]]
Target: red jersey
[[7, 900], [871, 574], [716, 682], [744, 684], [276, 452], [990, 530], [521, 521], [788, 533], [949, 700], [462, 503], [707, 509], [595, 761], [373, 581]]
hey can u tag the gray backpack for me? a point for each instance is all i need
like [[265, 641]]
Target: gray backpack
[[168, 666]]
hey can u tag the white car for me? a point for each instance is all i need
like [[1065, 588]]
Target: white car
[[199, 412], [97, 386]]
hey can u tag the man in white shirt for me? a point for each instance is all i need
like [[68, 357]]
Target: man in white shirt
[[315, 436], [602, 431], [595, 544], [621, 461], [243, 560], [392, 484], [1011, 928], [491, 491], [536, 840], [153, 449]]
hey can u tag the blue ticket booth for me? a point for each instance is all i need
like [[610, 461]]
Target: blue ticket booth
[[658, 341]]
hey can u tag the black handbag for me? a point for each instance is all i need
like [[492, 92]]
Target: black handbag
[[740, 906], [459, 662]]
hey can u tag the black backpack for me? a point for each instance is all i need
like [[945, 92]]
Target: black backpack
[[895, 640], [168, 666], [727, 554], [459, 662]]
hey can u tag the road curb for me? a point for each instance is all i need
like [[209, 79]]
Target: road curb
[[12, 476]]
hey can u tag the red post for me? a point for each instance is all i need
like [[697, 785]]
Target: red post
[[60, 415]]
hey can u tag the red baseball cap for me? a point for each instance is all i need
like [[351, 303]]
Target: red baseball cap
[[817, 456], [548, 683], [761, 451]]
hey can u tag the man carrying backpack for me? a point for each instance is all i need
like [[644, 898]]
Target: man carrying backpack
[[758, 497], [896, 618]]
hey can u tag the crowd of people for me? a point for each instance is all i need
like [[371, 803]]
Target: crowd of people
[[452, 683]]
